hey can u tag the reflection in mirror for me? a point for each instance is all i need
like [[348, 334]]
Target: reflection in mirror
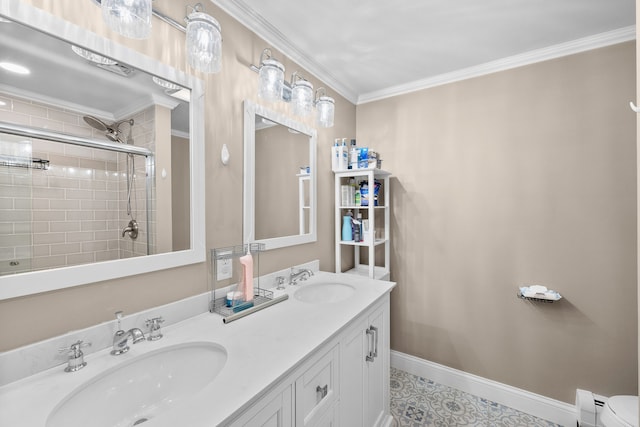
[[280, 179], [98, 154]]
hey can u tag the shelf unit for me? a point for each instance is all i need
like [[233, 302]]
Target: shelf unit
[[379, 229]]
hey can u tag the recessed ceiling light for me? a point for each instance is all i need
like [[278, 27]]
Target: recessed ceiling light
[[14, 68]]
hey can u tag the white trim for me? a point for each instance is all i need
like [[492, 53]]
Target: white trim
[[244, 14], [253, 21], [527, 58], [540, 406]]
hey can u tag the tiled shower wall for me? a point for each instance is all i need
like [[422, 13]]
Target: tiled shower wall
[[74, 212]]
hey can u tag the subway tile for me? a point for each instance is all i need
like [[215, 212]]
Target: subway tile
[[105, 235], [63, 116], [93, 185], [76, 151], [93, 225], [105, 195], [22, 227], [106, 215], [23, 252], [81, 236], [25, 204], [48, 238], [64, 226], [78, 194], [95, 246], [6, 227], [44, 146], [77, 130], [49, 262], [41, 250], [15, 118], [6, 203], [106, 255], [79, 215], [44, 123], [48, 193], [65, 249], [40, 226], [61, 160], [29, 109], [92, 164], [64, 204], [13, 191], [17, 215], [49, 215], [12, 240], [93, 205], [77, 259]]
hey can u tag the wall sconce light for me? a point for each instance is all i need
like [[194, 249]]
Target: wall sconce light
[[132, 18], [270, 77], [326, 108], [204, 41], [301, 95], [273, 87]]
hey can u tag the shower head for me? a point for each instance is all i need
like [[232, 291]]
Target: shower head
[[96, 123]]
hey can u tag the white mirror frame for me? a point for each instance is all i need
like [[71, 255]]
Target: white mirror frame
[[17, 285], [249, 212]]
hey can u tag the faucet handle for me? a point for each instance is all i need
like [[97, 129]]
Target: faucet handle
[[76, 356], [280, 282], [75, 348], [154, 328]]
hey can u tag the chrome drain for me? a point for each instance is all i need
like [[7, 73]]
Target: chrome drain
[[140, 421]]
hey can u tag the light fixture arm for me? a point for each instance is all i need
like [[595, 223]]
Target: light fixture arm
[[320, 92]]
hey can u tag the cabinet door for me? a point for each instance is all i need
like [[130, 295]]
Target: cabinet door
[[275, 410], [377, 381], [352, 375], [317, 389]]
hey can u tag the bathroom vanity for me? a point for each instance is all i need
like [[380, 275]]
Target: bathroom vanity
[[320, 358]]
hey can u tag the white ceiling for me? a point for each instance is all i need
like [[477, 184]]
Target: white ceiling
[[368, 50]]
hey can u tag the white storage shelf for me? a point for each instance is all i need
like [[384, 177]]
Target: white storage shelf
[[379, 218]]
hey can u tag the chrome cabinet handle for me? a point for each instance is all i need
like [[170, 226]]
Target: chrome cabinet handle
[[375, 347], [372, 344], [370, 354], [322, 391]]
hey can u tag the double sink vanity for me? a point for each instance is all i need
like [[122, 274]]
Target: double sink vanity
[[317, 359]]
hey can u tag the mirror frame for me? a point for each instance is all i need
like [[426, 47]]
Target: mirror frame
[[252, 109], [16, 285]]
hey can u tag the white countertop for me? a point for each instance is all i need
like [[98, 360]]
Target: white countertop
[[261, 348]]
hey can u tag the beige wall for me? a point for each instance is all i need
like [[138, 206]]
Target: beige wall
[[45, 315], [525, 176]]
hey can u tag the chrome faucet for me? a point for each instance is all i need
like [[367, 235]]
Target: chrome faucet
[[121, 338], [303, 274]]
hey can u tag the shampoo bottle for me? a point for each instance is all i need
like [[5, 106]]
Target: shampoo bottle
[[347, 233]]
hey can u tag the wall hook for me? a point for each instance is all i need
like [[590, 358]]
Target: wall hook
[[633, 107]]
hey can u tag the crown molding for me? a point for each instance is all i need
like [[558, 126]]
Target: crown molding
[[539, 55], [242, 13]]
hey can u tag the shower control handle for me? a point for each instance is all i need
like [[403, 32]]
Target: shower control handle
[[132, 229]]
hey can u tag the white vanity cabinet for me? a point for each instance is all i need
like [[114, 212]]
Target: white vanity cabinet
[[345, 382], [364, 370]]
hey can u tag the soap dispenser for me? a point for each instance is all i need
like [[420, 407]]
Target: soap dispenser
[[347, 231]]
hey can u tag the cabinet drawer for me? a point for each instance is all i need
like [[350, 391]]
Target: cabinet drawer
[[316, 389]]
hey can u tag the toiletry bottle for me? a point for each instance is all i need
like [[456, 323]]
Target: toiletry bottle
[[355, 225], [335, 155], [357, 196], [353, 155], [344, 165], [347, 233], [360, 228]]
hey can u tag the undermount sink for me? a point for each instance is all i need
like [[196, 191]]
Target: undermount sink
[[324, 292], [141, 388]]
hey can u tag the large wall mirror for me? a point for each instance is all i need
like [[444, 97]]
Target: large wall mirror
[[101, 158], [279, 179]]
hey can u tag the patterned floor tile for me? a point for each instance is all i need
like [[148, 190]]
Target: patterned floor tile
[[420, 402]]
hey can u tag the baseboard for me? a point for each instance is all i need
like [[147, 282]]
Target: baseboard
[[540, 406]]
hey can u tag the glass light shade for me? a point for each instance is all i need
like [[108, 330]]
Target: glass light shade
[[302, 98], [204, 43], [326, 111], [92, 56], [131, 18], [271, 80]]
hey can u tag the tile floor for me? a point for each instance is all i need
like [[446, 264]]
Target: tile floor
[[418, 402]]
